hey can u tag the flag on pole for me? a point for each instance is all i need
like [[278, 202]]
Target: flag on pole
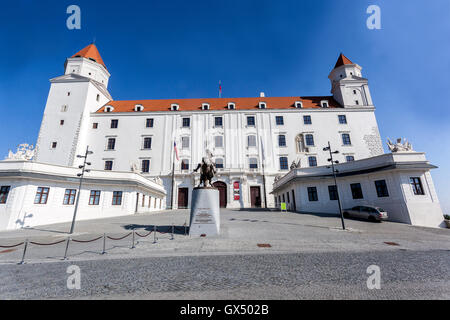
[[220, 89], [176, 150]]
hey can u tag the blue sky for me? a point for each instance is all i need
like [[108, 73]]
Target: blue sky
[[181, 49]]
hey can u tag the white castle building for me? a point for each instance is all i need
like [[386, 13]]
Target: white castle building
[[254, 141]]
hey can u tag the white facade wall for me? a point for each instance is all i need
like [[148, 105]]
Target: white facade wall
[[402, 204], [24, 178]]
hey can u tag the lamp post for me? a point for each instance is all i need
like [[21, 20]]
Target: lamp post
[[335, 182], [80, 175]]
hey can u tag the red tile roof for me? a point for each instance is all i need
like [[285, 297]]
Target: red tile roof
[[220, 103], [342, 60], [90, 52]]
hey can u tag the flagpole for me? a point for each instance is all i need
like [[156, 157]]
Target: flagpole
[[264, 175], [173, 177]]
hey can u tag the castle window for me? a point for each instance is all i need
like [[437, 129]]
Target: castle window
[[312, 161], [284, 163], [251, 141], [354, 91], [279, 120], [298, 104], [4, 191], [109, 109], [117, 198], [309, 138], [69, 196], [68, 93], [145, 166], [342, 119], [61, 122], [324, 104], [219, 163], [382, 190], [54, 145], [94, 198], [312, 194], [231, 105], [184, 142], [218, 141], [147, 143], [98, 97], [332, 191], [111, 144], [250, 121], [357, 102], [64, 108], [416, 185], [262, 105], [138, 108], [307, 120], [114, 124], [174, 107], [218, 122], [149, 123], [95, 125], [41, 195], [282, 140], [108, 165], [185, 164], [349, 158], [356, 191], [186, 122], [253, 163], [205, 106], [346, 139]]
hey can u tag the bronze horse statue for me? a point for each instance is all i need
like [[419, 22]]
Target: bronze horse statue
[[207, 171]]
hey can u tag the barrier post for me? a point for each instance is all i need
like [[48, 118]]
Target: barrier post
[[172, 232], [24, 251], [67, 248], [154, 234], [104, 243], [185, 228], [132, 243]]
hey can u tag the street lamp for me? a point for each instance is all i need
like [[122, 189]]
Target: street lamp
[[80, 175], [335, 182]]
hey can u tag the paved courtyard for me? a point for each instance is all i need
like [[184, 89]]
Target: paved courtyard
[[302, 256]]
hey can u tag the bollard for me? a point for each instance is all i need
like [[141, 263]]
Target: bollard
[[172, 232], [132, 243], [185, 228], [154, 234], [104, 243], [67, 248], [24, 251]]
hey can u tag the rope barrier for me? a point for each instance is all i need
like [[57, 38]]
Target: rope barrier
[[118, 238], [138, 234], [16, 245], [104, 236], [86, 241], [47, 244]]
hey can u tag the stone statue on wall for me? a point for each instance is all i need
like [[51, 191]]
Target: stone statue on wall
[[207, 170], [134, 167], [24, 152], [399, 146]]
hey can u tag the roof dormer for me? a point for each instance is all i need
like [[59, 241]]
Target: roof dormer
[[231, 106], [262, 105], [108, 109], [174, 107], [298, 104], [138, 108], [324, 104], [205, 106]]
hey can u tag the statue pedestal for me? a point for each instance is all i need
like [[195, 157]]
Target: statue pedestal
[[205, 212]]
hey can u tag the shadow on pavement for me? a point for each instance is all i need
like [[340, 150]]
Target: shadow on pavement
[[162, 229]]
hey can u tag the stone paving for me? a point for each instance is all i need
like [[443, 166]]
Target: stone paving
[[309, 257]]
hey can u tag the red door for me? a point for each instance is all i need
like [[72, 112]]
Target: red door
[[183, 197], [255, 197], [222, 187]]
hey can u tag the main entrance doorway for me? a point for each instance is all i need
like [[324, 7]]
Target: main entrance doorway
[[183, 197], [255, 197], [222, 192]]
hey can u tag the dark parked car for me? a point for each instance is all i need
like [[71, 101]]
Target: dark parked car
[[371, 213]]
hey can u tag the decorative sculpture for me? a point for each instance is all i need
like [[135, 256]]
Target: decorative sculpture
[[207, 170], [134, 167], [24, 152], [399, 146]]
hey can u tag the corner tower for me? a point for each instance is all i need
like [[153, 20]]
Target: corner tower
[[72, 98], [348, 86]]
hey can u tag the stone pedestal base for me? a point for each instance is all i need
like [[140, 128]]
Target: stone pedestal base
[[205, 212]]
